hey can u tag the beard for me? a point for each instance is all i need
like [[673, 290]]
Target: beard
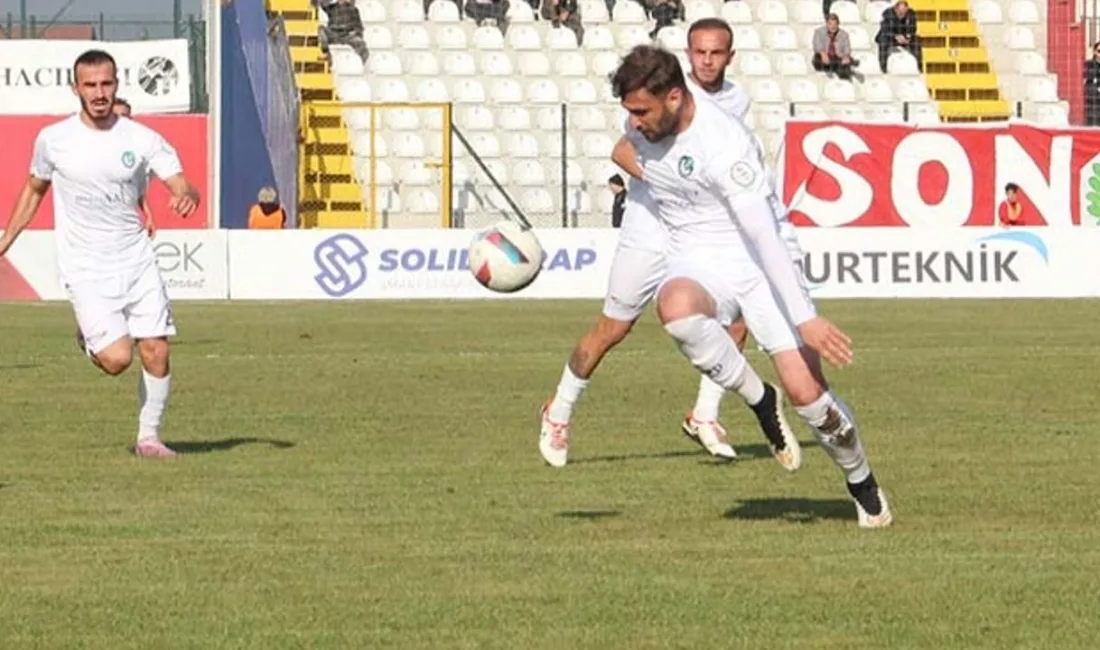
[[666, 126], [97, 112]]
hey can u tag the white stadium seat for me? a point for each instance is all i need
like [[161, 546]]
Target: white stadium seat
[[390, 89], [371, 11], [587, 118], [537, 201], [488, 37], [529, 173], [745, 38], [571, 64], [597, 146], [1030, 63], [599, 38], [459, 64], [561, 39], [400, 119], [415, 172], [432, 91], [468, 91], [345, 62], [522, 145], [1052, 115], [848, 12], [924, 114], [450, 37], [524, 38], [422, 201], [533, 64], [766, 90], [505, 90], [1042, 89], [407, 145], [422, 64], [628, 13], [910, 90], [581, 91], [385, 64], [548, 118], [477, 118], [754, 64], [772, 12], [1019, 38], [414, 37], [837, 91], [808, 12], [781, 37], [902, 63], [886, 113], [790, 64], [378, 37], [485, 144], [803, 91], [520, 13], [514, 118], [672, 38], [357, 119], [1024, 12], [595, 12], [877, 90], [859, 38], [496, 64], [627, 36], [543, 91], [407, 11], [987, 12], [552, 146], [849, 112], [603, 64], [383, 173], [737, 13], [443, 11]]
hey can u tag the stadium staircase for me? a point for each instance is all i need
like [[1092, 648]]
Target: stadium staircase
[[957, 65], [329, 196]]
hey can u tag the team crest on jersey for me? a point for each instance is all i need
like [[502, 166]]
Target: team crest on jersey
[[128, 159], [687, 165], [742, 173]]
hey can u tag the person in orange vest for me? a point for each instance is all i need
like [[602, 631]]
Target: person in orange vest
[[267, 214], [1011, 208], [122, 108]]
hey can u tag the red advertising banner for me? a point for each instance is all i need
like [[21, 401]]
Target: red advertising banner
[[843, 175], [187, 133]]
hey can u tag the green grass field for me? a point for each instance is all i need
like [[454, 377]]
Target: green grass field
[[367, 476]]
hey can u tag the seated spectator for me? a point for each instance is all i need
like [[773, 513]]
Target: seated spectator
[[832, 49], [1092, 87], [564, 12], [345, 27], [664, 12], [482, 10], [267, 214], [898, 30], [1011, 208]]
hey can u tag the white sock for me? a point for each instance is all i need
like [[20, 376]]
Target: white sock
[[152, 399], [570, 389], [708, 400], [710, 350], [828, 417]]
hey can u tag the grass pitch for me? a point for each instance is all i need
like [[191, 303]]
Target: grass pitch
[[366, 475]]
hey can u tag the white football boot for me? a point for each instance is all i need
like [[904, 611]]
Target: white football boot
[[553, 439], [710, 436]]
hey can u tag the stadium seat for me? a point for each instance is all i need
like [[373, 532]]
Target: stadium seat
[[468, 91], [443, 11], [859, 38], [1042, 89], [628, 36], [587, 118], [848, 12], [886, 113], [514, 118], [599, 38], [808, 12], [459, 64], [877, 90], [407, 145], [745, 38], [849, 113], [522, 145], [987, 12], [790, 64], [802, 91], [528, 173], [579, 202], [378, 37], [407, 11], [924, 114], [672, 38], [772, 12], [628, 13], [910, 90], [594, 12], [766, 90], [488, 37], [422, 201], [771, 117], [754, 64], [548, 118], [360, 145], [383, 172], [1028, 63], [570, 64], [450, 37], [520, 13], [422, 64], [781, 37], [1019, 38], [496, 64], [811, 112], [477, 118], [357, 119], [737, 13], [370, 11], [385, 64], [543, 92], [537, 201], [581, 91], [432, 91], [697, 10], [902, 63], [561, 39], [603, 64], [597, 146], [1051, 115], [485, 144], [414, 37], [555, 149], [415, 172], [524, 38], [391, 89], [533, 64], [506, 90], [837, 91], [1024, 12], [400, 119]]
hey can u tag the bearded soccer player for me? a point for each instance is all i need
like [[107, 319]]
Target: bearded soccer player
[[716, 197], [98, 163], [638, 268]]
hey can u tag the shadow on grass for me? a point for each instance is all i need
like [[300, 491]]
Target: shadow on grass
[[20, 366], [228, 444], [619, 458], [744, 452], [589, 515], [799, 511]]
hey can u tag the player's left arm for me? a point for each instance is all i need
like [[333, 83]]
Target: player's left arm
[[740, 182], [165, 163]]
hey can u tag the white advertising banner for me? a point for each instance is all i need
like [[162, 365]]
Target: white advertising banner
[[951, 263], [403, 264], [36, 75], [193, 264]]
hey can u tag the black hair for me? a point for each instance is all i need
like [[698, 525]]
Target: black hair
[[653, 68]]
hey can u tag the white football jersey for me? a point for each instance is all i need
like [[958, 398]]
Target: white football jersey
[[731, 97], [691, 176], [98, 177]]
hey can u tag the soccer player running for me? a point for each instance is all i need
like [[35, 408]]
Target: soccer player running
[[97, 164], [638, 268], [706, 172]]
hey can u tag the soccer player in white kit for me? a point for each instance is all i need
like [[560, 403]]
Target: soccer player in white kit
[[637, 270], [98, 164], [706, 173]]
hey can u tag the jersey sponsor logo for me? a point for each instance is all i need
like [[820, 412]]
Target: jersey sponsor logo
[[686, 166], [340, 259]]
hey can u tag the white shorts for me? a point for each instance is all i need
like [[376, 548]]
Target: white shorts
[[133, 304], [635, 276], [740, 288]]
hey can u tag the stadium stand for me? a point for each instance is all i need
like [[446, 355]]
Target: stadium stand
[[983, 61]]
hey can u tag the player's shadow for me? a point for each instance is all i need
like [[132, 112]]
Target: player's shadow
[[744, 452], [227, 444], [20, 366], [797, 511], [589, 515], [619, 458], [760, 450]]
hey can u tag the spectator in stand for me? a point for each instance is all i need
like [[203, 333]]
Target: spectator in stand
[[564, 12], [898, 30], [665, 12], [833, 49], [1011, 208], [482, 10], [122, 108], [345, 27], [267, 214], [1092, 87], [618, 207]]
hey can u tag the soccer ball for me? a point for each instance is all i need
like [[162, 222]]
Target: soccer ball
[[506, 258]]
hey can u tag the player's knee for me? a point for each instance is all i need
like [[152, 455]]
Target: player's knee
[[114, 361], [154, 356], [680, 298]]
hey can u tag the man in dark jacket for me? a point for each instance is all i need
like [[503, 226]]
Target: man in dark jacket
[[1092, 87], [345, 27], [898, 29], [618, 188], [564, 12]]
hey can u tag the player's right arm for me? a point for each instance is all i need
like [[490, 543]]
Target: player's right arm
[[625, 157], [26, 206]]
